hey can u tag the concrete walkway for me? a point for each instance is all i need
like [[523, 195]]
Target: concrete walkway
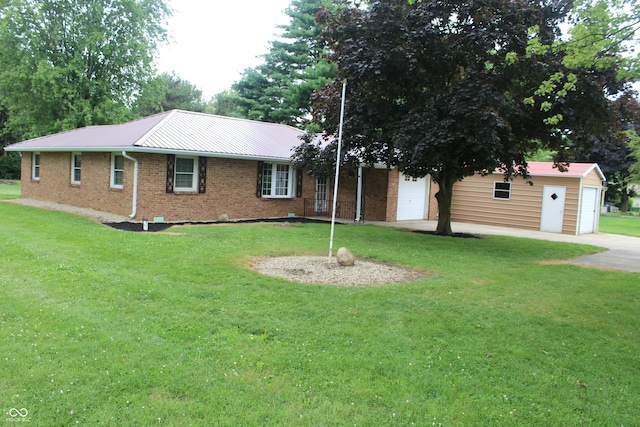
[[623, 253]]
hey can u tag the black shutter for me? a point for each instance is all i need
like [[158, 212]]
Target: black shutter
[[202, 175], [299, 183], [259, 179], [171, 165]]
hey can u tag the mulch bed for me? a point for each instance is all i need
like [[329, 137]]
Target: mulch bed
[[162, 226]]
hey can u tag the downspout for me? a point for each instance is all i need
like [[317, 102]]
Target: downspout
[[134, 209]]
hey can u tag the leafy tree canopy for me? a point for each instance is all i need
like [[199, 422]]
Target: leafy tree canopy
[[448, 88], [71, 63], [167, 92]]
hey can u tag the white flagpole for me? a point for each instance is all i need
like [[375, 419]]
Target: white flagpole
[[338, 157]]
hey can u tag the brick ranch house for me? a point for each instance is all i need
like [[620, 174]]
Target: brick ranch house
[[185, 166]]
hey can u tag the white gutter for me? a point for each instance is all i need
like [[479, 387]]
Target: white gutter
[[359, 196], [135, 184]]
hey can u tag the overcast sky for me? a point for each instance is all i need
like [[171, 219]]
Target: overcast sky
[[215, 40]]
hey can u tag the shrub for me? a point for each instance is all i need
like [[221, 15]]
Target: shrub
[[10, 166]]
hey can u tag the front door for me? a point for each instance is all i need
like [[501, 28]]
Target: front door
[[321, 206], [552, 216]]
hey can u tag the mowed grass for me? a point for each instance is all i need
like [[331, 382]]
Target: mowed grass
[[106, 327], [9, 189], [620, 224]]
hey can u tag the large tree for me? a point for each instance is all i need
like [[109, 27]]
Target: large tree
[[71, 63], [167, 92], [449, 88], [279, 89]]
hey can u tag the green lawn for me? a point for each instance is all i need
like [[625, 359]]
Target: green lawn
[[106, 327], [9, 189], [620, 224]]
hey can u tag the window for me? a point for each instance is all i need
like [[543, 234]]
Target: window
[[276, 180], [186, 175], [502, 190], [117, 171], [76, 163], [35, 170]]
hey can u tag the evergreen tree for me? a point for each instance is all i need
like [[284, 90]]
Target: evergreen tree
[[279, 90]]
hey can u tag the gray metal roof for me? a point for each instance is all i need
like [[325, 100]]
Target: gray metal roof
[[177, 131]]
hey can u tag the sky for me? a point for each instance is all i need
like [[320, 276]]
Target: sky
[[214, 41]]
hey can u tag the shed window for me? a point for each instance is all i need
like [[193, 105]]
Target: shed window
[[276, 180], [186, 174], [502, 190], [76, 164], [117, 171], [35, 170]]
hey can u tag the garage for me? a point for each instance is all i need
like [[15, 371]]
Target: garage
[[556, 201], [412, 198]]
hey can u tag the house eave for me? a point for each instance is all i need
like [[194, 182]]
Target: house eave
[[142, 150]]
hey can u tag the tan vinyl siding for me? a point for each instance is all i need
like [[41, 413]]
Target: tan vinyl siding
[[592, 179], [473, 202]]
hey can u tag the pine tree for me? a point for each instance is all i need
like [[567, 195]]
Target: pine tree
[[279, 90]]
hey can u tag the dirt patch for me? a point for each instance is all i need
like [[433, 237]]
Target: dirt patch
[[320, 270]]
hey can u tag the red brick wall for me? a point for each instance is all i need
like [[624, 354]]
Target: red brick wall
[[230, 188], [377, 195], [94, 190]]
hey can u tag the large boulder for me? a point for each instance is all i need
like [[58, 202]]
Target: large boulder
[[345, 257]]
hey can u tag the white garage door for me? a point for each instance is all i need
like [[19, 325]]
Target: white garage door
[[412, 198], [589, 210]]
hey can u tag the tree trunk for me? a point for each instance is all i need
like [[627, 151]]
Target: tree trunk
[[444, 196], [624, 199]]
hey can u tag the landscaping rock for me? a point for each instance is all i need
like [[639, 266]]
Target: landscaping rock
[[345, 257], [223, 218]]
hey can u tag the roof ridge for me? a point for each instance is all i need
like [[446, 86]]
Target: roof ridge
[[241, 119]]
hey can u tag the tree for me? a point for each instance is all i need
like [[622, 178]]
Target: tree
[[612, 151], [225, 103], [279, 90], [167, 92], [71, 63], [446, 89]]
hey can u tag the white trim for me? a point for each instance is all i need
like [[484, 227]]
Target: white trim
[[499, 189], [112, 183], [139, 150], [194, 176], [34, 164], [74, 168], [274, 181]]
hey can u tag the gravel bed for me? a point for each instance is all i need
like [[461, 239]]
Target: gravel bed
[[318, 270]]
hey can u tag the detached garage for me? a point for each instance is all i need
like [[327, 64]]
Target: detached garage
[[557, 202]]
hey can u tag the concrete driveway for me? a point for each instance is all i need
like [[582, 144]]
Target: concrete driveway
[[623, 253]]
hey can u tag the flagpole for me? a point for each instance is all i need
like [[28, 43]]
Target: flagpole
[[338, 158]]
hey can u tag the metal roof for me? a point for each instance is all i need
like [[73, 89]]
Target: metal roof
[[575, 170], [177, 131]]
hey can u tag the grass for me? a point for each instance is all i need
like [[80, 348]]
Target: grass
[[9, 189], [105, 327], [627, 225]]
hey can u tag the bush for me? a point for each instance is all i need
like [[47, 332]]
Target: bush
[[10, 166]]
